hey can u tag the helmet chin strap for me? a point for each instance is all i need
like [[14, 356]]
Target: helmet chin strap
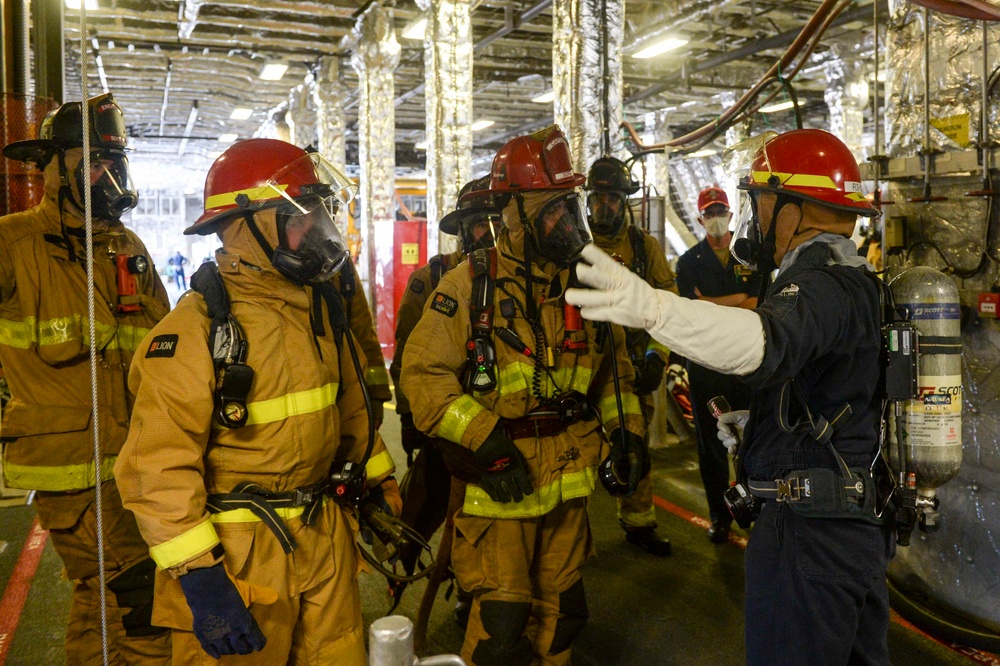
[[258, 235]]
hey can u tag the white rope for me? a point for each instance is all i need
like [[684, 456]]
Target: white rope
[[89, 224]]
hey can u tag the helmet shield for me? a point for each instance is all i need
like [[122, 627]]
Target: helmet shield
[[477, 232], [111, 190], [737, 159], [560, 229], [310, 247], [309, 175], [606, 211], [747, 240]]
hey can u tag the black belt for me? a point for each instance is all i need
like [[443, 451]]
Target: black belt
[[262, 503], [797, 487]]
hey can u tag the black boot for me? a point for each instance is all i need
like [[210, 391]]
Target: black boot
[[463, 606], [718, 533], [648, 539]]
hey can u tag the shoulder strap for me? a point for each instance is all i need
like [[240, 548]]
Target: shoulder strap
[[482, 266], [437, 270], [639, 258]]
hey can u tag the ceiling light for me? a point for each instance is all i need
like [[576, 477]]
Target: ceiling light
[[228, 137], [88, 4], [481, 124], [420, 145], [780, 106], [417, 29], [214, 154], [241, 114], [662, 46], [273, 71], [544, 98], [703, 153]]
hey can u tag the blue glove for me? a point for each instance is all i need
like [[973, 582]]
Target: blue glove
[[505, 476], [222, 623]]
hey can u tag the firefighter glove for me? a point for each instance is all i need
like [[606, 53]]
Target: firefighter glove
[[648, 380], [504, 470], [412, 438], [630, 458], [222, 622], [731, 426]]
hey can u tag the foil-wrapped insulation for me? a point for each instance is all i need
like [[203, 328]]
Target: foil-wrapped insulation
[[301, 115], [578, 78], [328, 95], [688, 177], [956, 48], [375, 58], [846, 96], [956, 567], [189, 18], [448, 100]]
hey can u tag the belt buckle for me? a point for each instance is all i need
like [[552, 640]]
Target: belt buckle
[[303, 496], [790, 490]]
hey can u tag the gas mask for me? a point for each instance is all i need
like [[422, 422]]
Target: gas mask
[[559, 230], [606, 209], [310, 247], [476, 233], [717, 226], [111, 191]]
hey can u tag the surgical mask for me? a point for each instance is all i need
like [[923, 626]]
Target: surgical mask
[[111, 190], [560, 229], [717, 227]]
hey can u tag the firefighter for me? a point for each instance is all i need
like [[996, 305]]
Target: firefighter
[[231, 481], [45, 353], [426, 487], [817, 559], [609, 184], [504, 371]]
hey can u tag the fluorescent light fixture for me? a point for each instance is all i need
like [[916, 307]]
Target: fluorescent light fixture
[[214, 154], [273, 71], [780, 106], [228, 137], [662, 46], [420, 145], [544, 98], [481, 124], [703, 153], [88, 4], [241, 114], [417, 29]]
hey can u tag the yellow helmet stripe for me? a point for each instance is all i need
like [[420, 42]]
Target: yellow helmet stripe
[[795, 179], [262, 193]]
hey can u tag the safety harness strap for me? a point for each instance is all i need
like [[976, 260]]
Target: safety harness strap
[[262, 503]]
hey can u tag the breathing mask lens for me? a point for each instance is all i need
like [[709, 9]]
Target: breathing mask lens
[[477, 233], [560, 229], [606, 212], [310, 247], [111, 190], [746, 243]]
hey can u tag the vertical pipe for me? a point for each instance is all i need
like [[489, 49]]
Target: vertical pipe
[[984, 132], [21, 57], [49, 49], [448, 102], [328, 95], [877, 162], [390, 642]]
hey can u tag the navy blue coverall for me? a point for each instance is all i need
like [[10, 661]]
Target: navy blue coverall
[[815, 587], [700, 268]]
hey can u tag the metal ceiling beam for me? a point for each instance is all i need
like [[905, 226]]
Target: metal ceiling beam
[[525, 17], [782, 39]]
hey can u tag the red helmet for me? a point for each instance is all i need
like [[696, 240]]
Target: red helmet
[[809, 164], [539, 161], [256, 173]]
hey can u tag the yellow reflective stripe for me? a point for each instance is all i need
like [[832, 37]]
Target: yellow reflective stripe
[[539, 503], [457, 418], [609, 407], [22, 334], [262, 193], [199, 539], [379, 465], [646, 518], [292, 404], [57, 477], [656, 346], [796, 179], [376, 376], [247, 516], [517, 377]]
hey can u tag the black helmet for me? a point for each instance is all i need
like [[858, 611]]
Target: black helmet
[[610, 173], [474, 205], [63, 128]]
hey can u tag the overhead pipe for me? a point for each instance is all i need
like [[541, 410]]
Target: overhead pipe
[[166, 96], [188, 128]]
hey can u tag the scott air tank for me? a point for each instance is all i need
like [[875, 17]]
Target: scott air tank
[[932, 422]]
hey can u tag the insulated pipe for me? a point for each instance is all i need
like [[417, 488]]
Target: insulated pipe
[[328, 96], [448, 104], [22, 52]]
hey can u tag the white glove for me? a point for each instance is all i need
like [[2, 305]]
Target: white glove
[[731, 426], [618, 295]]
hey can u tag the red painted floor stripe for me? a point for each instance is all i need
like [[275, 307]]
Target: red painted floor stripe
[[17, 588], [969, 653]]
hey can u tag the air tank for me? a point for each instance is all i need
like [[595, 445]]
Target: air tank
[[931, 423]]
